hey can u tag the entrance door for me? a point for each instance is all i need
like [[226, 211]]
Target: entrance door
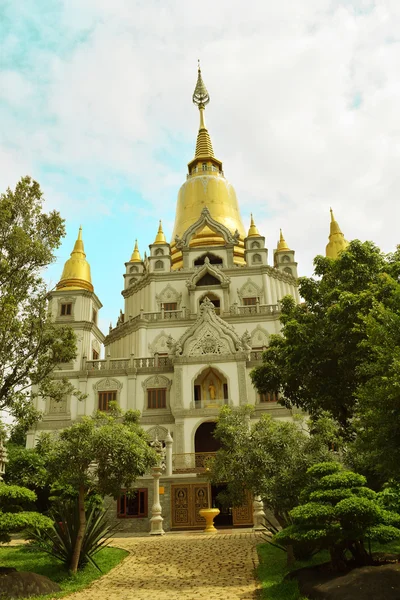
[[243, 515], [186, 501]]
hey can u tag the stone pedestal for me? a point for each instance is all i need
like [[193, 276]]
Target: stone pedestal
[[258, 514], [209, 514]]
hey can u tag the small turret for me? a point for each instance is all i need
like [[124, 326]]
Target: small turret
[[336, 243], [284, 259], [253, 231], [160, 237], [136, 254], [76, 273]]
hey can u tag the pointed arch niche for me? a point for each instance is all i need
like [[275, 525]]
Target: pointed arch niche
[[210, 389]]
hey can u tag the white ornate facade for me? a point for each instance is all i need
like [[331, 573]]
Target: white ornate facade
[[197, 314]]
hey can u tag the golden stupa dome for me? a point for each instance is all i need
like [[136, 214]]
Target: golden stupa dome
[[336, 243], [160, 237], [206, 187], [136, 254], [76, 272], [282, 244]]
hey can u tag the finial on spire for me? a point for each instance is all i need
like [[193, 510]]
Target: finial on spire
[[136, 254], [336, 243], [80, 232], [282, 244], [200, 94], [160, 237], [253, 231]]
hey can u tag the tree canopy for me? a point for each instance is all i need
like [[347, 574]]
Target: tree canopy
[[318, 363], [31, 346], [105, 453], [268, 458]]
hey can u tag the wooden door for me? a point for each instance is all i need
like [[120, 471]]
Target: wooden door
[[186, 501], [243, 515]]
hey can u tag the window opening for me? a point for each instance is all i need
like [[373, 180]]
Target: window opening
[[268, 397], [249, 301], [105, 398], [95, 355], [157, 398], [134, 505], [214, 260], [170, 306], [66, 309]]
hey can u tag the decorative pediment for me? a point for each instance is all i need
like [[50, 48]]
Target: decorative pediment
[[209, 335], [107, 384], [167, 295], [259, 337], [212, 270], [250, 290], [206, 219], [159, 344], [157, 433]]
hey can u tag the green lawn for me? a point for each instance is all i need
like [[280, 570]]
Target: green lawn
[[25, 559], [272, 569]]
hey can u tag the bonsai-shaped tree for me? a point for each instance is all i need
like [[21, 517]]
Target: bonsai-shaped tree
[[339, 513], [13, 518]]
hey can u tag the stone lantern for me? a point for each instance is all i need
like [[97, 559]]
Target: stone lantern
[[3, 460], [156, 520]]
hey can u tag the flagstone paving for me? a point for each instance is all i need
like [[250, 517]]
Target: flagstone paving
[[185, 566]]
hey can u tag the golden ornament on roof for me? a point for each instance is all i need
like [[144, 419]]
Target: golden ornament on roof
[[336, 243], [76, 272]]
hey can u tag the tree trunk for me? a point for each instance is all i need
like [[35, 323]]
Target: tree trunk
[[81, 531], [290, 559]]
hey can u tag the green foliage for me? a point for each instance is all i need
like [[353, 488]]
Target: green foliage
[[321, 360], [389, 496], [13, 518], [339, 513], [268, 458], [23, 559], [60, 539], [30, 345]]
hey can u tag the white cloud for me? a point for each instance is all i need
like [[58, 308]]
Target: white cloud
[[304, 108]]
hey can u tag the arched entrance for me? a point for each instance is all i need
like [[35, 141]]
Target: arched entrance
[[204, 440]]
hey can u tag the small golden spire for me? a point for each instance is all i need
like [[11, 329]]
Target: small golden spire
[[201, 98], [253, 231], [282, 245], [336, 243], [76, 272], [160, 237], [136, 254]]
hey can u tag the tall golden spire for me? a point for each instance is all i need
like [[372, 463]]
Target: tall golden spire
[[201, 98], [253, 231], [136, 254], [282, 244], [160, 237], [336, 243], [76, 272], [206, 187]]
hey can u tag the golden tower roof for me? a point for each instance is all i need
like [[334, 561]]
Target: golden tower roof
[[253, 231], [160, 237], [282, 244], [136, 254], [76, 272], [206, 187], [336, 243]]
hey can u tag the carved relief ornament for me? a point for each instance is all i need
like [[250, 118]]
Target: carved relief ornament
[[206, 219]]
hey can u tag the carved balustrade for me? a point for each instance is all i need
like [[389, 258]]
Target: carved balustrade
[[195, 462]]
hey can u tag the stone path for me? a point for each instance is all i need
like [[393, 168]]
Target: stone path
[[185, 566]]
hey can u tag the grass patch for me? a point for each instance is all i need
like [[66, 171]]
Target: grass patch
[[25, 559], [272, 569]]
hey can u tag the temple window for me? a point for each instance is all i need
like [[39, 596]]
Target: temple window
[[133, 269], [257, 258], [132, 280], [95, 355], [157, 398], [170, 306], [285, 259], [209, 388], [159, 252], [159, 265], [66, 309], [207, 280], [94, 316], [204, 166], [267, 397], [249, 301], [133, 505], [105, 398], [213, 259], [255, 245], [287, 270]]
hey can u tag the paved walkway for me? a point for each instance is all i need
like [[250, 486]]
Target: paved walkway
[[184, 566]]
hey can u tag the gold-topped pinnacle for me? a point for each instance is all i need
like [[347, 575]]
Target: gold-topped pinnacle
[[282, 244], [160, 237], [336, 243], [200, 96], [76, 273], [136, 254], [253, 231]]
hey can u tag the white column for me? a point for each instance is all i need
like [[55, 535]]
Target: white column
[[168, 455], [156, 520]]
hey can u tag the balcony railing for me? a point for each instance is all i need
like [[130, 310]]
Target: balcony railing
[[196, 462], [216, 403], [121, 364], [255, 309]]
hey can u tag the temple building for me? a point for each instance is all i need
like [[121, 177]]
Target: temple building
[[198, 312]]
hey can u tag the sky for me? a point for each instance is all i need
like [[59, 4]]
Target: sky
[[95, 104]]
